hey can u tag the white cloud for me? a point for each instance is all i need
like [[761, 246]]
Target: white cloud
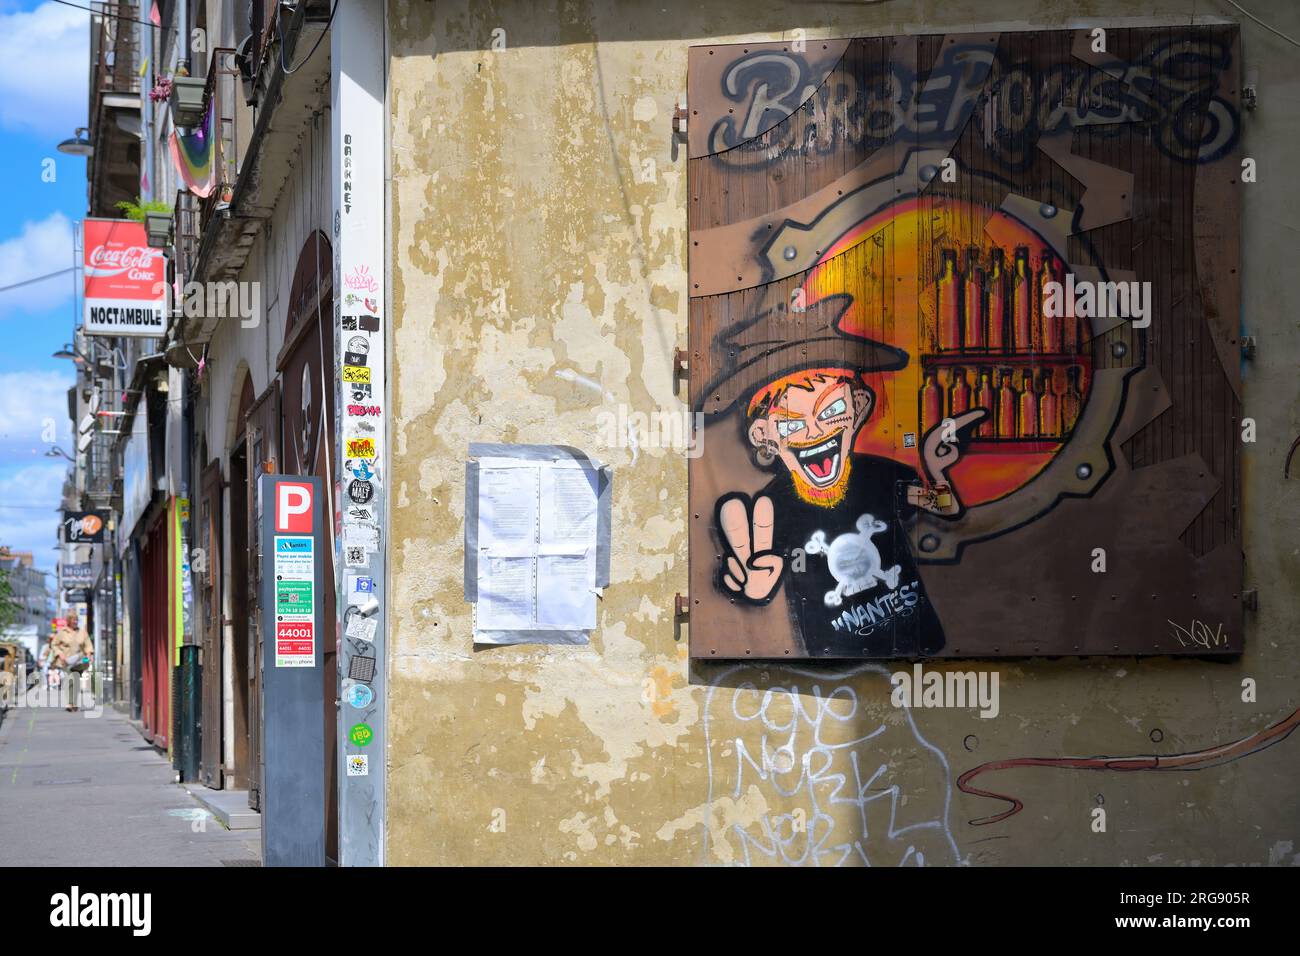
[[31, 485], [43, 247], [44, 70], [29, 520], [28, 401]]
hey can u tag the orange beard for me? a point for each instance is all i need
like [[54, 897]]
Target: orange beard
[[829, 496]]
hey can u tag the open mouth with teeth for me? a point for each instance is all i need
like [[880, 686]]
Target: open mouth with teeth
[[820, 463]]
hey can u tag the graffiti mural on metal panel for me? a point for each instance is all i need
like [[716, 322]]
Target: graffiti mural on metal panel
[[929, 342]]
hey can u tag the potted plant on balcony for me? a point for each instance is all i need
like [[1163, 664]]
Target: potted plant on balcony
[[156, 216], [187, 100], [162, 89]]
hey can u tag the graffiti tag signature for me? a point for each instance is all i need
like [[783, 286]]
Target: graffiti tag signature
[[1199, 634]]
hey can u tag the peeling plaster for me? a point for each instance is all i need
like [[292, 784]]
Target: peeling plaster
[[538, 227]]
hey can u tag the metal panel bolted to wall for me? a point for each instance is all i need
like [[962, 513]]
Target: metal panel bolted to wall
[[963, 328]]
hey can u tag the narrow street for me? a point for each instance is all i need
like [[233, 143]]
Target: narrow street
[[85, 789]]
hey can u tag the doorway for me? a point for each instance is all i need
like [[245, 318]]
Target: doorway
[[262, 436], [306, 369]]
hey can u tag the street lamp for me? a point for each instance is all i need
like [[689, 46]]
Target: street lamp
[[78, 145], [115, 355], [54, 451]]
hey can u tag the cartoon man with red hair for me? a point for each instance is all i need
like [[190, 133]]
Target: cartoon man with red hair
[[830, 522]]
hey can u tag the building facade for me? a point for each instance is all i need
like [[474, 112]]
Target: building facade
[[30, 592], [466, 253]]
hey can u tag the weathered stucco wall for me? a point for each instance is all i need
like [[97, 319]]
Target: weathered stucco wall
[[538, 232]]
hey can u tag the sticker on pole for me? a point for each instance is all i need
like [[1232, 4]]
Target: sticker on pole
[[295, 644], [359, 696], [293, 599], [361, 734], [295, 558]]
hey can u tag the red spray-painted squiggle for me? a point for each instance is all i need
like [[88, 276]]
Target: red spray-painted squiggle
[[1196, 760]]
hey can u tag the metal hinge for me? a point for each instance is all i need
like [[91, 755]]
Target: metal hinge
[[1249, 96], [1250, 599], [681, 606], [1248, 346], [679, 117]]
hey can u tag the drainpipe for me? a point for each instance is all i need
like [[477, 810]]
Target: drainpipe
[[146, 104], [191, 676], [183, 37], [136, 600]]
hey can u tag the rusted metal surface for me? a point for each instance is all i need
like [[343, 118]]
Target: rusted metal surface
[[792, 237], [1216, 215], [907, 451], [740, 91]]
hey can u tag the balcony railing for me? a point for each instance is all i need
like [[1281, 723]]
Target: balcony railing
[[264, 28], [223, 92], [116, 48], [101, 480], [185, 237]]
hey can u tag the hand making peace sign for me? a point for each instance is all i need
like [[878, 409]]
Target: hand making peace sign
[[752, 567]]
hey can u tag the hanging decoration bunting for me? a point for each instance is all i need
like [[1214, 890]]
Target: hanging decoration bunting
[[194, 157]]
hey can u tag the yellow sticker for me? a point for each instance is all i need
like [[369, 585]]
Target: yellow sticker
[[356, 373], [361, 448]]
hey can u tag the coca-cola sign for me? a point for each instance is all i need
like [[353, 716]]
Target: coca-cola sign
[[125, 280], [105, 261]]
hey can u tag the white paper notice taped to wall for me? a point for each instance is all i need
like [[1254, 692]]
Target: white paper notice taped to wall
[[507, 508], [537, 541], [566, 590]]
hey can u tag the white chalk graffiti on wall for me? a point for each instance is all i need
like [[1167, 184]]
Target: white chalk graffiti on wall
[[822, 768]]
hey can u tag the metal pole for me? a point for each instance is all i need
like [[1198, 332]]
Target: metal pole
[[190, 675], [137, 609], [183, 37], [146, 105], [108, 663]]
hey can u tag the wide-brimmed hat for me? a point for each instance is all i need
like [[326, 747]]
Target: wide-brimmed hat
[[778, 341]]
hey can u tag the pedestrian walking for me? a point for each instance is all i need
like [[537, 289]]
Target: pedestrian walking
[[70, 652]]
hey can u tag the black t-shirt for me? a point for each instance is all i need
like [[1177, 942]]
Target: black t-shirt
[[858, 593]]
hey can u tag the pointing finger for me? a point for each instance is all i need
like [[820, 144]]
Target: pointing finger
[[967, 418]]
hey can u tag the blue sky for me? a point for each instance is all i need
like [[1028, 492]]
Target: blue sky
[[44, 79]]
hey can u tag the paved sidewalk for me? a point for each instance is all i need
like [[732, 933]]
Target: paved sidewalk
[[83, 790]]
